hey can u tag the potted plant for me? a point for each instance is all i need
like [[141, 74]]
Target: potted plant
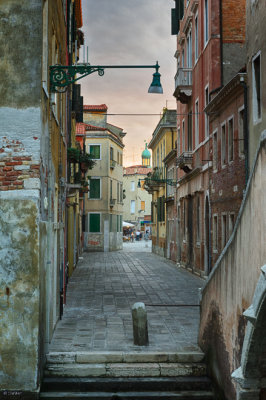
[[86, 161], [84, 186], [73, 154]]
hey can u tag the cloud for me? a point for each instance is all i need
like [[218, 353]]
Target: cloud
[[126, 32]]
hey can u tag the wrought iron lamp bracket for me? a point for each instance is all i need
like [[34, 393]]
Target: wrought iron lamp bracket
[[61, 76]]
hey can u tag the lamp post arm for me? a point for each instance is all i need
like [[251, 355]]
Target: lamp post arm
[[61, 76]]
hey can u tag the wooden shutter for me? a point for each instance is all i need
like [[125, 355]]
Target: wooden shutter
[[95, 192], [95, 222]]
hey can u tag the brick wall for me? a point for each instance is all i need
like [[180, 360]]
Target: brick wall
[[18, 169], [234, 21]]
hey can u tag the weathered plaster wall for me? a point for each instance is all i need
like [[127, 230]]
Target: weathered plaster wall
[[256, 43], [20, 66], [232, 282], [19, 289]]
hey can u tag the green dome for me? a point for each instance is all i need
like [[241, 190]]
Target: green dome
[[146, 153]]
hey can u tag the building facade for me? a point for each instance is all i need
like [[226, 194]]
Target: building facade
[[210, 40], [227, 116], [162, 143], [103, 205], [34, 133], [137, 201], [233, 306]]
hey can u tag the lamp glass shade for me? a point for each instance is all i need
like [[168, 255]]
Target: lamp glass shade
[[156, 86]]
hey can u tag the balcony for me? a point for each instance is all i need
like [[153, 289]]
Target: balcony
[[112, 202], [184, 161], [183, 85], [112, 164], [155, 180]]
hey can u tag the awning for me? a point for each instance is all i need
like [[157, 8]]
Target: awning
[[127, 225]]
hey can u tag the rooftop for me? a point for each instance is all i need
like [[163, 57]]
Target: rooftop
[[97, 107]]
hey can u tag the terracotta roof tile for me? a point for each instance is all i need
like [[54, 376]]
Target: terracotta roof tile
[[93, 107], [137, 169], [81, 128]]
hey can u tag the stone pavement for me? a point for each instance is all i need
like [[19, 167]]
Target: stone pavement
[[102, 290]]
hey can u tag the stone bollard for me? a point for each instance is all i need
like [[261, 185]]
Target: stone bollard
[[140, 326]]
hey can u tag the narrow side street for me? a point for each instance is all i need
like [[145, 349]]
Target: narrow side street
[[102, 290]]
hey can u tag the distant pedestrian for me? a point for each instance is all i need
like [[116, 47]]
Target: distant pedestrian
[[132, 236], [137, 235]]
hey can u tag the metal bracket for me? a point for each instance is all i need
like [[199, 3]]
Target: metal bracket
[[61, 76]]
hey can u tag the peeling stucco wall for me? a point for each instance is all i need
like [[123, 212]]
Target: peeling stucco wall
[[19, 289], [20, 45], [232, 282]]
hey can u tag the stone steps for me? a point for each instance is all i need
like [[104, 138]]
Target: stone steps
[[118, 364], [189, 395], [127, 376], [55, 384]]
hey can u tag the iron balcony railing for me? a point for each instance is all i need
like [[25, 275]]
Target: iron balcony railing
[[112, 164]]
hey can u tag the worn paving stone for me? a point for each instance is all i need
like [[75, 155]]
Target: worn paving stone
[[102, 290]]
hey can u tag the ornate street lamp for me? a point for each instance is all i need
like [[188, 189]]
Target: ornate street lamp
[[61, 76]]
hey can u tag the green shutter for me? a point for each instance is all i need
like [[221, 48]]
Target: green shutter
[[95, 223], [95, 151], [95, 191]]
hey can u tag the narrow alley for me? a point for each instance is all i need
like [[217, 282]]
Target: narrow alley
[[92, 354], [102, 290]]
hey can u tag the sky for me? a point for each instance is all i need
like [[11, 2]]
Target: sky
[[130, 32]]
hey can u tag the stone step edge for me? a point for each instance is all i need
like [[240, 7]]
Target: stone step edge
[[94, 395], [126, 370], [122, 357]]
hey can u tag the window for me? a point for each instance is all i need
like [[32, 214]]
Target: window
[[256, 82], [111, 223], [157, 157], [206, 116], [94, 222], [230, 140], [215, 233], [223, 144], [224, 230], [183, 136], [118, 192], [160, 209], [178, 142], [111, 189], [121, 193], [198, 219], [183, 58], [189, 50], [196, 38], [132, 207], [142, 205], [95, 151], [111, 153], [132, 186], [189, 131], [196, 123], [206, 21], [241, 114], [184, 220], [231, 223], [95, 188], [215, 151]]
